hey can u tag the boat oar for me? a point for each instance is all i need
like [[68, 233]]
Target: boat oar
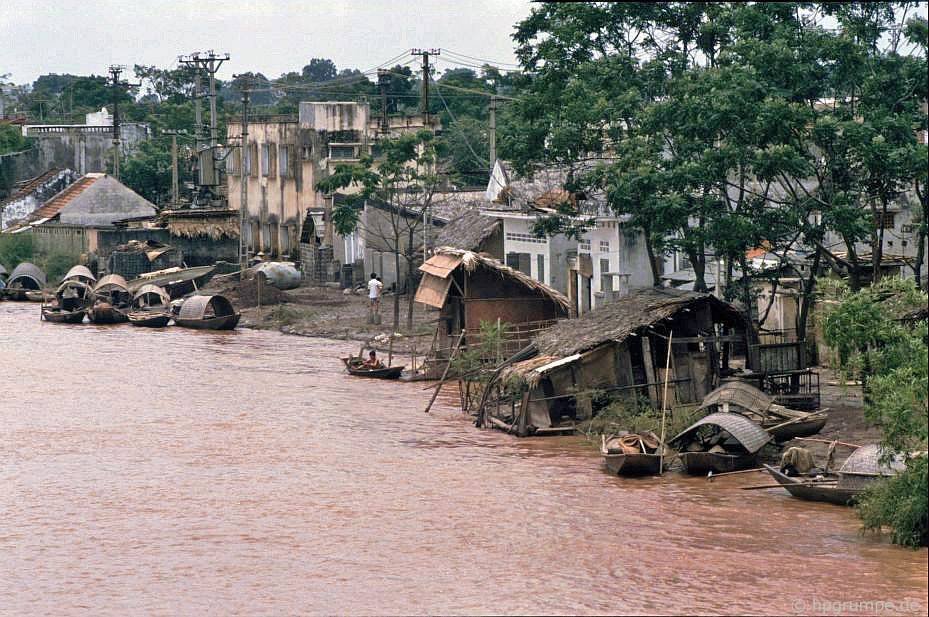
[[710, 475], [760, 486], [841, 443]]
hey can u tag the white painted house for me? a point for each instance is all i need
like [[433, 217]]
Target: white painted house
[[607, 262]]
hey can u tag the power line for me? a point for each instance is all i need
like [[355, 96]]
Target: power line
[[477, 157], [491, 62]]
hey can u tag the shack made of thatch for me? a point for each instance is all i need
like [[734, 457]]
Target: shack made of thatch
[[470, 288], [619, 351], [473, 231]]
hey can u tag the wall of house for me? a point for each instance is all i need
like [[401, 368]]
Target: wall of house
[[85, 149], [518, 238]]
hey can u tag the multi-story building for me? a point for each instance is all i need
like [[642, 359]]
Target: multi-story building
[[286, 157]]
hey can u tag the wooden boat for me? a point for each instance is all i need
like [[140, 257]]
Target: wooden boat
[[111, 302], [148, 319], [207, 313], [56, 314], [720, 442], [72, 299], [701, 463], [631, 455], [150, 307], [813, 489], [105, 313], [25, 283], [782, 422], [175, 281], [354, 367]]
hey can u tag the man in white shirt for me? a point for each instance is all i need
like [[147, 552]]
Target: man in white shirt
[[374, 293]]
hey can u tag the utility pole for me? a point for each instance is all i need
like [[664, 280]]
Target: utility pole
[[206, 152], [383, 80], [243, 179], [493, 131], [117, 86], [175, 188], [424, 98]]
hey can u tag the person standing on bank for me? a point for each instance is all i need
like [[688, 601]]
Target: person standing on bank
[[374, 293]]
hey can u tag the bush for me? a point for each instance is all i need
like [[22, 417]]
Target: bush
[[57, 264], [15, 249], [901, 504]]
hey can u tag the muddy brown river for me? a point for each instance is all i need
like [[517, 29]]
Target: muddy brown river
[[183, 472]]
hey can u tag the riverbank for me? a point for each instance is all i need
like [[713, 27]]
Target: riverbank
[[327, 312]]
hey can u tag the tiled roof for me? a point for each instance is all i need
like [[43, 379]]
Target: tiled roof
[[54, 205], [31, 185]]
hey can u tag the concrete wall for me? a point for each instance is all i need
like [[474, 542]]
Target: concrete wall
[[84, 149]]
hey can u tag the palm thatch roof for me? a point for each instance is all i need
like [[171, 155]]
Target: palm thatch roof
[[624, 317], [468, 231], [447, 259]]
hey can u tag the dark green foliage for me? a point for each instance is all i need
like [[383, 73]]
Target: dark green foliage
[[11, 139], [889, 353], [15, 248]]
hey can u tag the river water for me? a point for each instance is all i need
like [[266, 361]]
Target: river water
[[183, 472]]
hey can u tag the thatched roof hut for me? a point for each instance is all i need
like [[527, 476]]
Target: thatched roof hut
[[621, 350], [473, 231], [617, 321]]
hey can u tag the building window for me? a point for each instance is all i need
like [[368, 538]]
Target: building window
[[520, 237], [520, 261], [234, 163], [584, 246], [307, 152], [342, 152], [885, 221], [285, 156], [251, 161], [265, 159], [604, 246], [606, 280], [540, 267]]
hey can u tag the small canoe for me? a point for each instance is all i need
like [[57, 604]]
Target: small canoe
[[224, 322], [55, 314], [633, 464], [105, 313], [701, 463], [35, 296], [810, 489], [149, 319], [803, 428], [624, 456], [353, 366]]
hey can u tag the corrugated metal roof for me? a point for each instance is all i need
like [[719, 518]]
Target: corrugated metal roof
[[80, 272], [866, 460], [30, 271], [195, 307], [739, 393], [111, 280], [750, 435], [147, 289]]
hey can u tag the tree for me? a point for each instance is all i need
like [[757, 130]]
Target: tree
[[879, 341], [403, 178], [319, 69]]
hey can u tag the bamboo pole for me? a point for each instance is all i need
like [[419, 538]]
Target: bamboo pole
[[710, 475], [390, 350], [841, 443], [448, 366], [664, 404]]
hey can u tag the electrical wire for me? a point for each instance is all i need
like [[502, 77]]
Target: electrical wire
[[477, 157], [490, 62]]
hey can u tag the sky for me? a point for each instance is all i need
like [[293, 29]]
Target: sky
[[267, 36]]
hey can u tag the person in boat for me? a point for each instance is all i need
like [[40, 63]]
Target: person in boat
[[372, 362]]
